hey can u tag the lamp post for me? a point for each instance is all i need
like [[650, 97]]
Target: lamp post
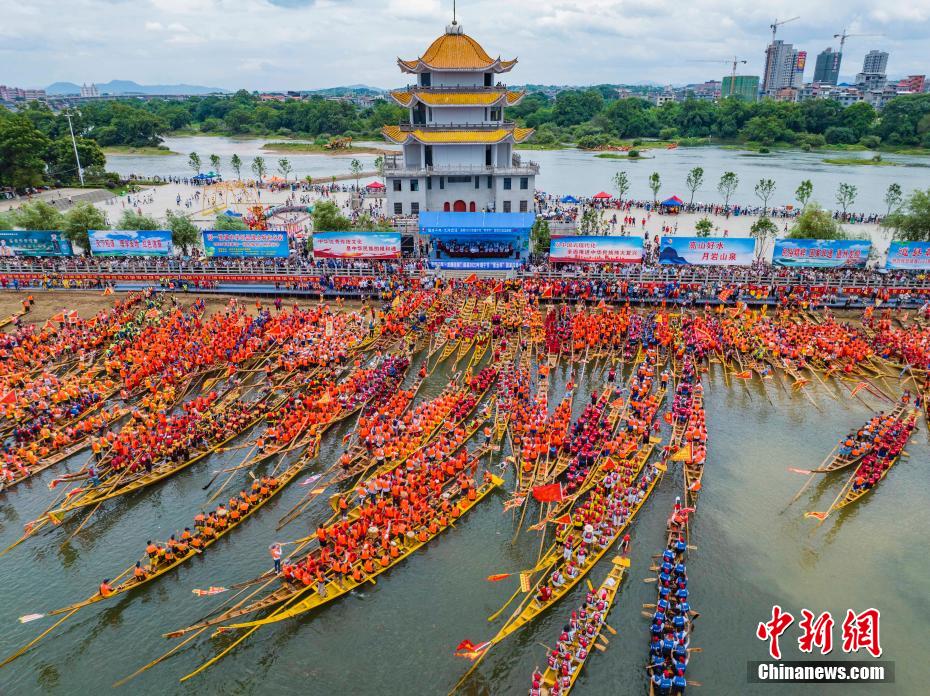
[[74, 145]]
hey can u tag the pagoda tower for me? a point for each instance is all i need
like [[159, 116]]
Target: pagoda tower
[[457, 146]]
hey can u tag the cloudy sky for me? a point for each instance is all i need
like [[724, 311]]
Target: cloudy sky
[[308, 44]]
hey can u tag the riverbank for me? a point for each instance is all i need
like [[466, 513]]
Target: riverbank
[[285, 147], [159, 151]]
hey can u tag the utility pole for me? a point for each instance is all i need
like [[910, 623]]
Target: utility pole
[[77, 157]]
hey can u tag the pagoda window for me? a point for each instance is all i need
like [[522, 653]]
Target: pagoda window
[[508, 183], [398, 208], [415, 208], [442, 182], [506, 206], [419, 114], [477, 182], [495, 114], [428, 155], [490, 182], [524, 183], [488, 79], [397, 184], [414, 184], [425, 79], [429, 183], [488, 161], [523, 206]]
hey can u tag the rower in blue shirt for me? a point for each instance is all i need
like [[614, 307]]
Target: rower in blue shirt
[[678, 684]]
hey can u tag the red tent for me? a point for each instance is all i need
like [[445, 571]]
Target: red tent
[[375, 185], [602, 194]]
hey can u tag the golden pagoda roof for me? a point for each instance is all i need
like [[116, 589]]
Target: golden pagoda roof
[[455, 51], [436, 98], [435, 136]]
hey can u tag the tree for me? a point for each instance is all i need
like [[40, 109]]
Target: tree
[[184, 233], [803, 192], [893, 197], [131, 220], [911, 222], [622, 184], [816, 223], [236, 163], [229, 223], [592, 222], [259, 168], [379, 165], [37, 215], [21, 149], [704, 227], [79, 220], [694, 181], [215, 164], [763, 230], [541, 236], [764, 190], [284, 166], [193, 161], [727, 186], [327, 218], [356, 168], [6, 221], [62, 167], [846, 195], [655, 183]]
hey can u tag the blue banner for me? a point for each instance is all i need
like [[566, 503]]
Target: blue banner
[[34, 243], [130, 242], [243, 243], [909, 255], [707, 251], [821, 253], [596, 249]]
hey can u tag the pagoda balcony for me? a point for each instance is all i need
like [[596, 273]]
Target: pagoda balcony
[[485, 125], [517, 168], [499, 87]]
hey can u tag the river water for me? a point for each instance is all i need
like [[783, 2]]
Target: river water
[[399, 635], [584, 174]]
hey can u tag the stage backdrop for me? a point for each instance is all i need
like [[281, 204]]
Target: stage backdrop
[[356, 245], [909, 255], [34, 243], [598, 249], [477, 241], [821, 253], [707, 251], [130, 242], [242, 243]]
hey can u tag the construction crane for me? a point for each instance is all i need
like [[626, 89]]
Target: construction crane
[[733, 63], [842, 36], [774, 25]]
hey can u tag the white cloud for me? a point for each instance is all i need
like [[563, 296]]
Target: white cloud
[[295, 44]]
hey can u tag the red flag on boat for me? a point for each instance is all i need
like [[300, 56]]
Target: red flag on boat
[[548, 494], [547, 292], [745, 374], [817, 515], [499, 287], [667, 416], [494, 578], [564, 519]]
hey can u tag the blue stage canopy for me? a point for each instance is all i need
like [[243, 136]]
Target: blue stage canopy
[[569, 199], [455, 224]]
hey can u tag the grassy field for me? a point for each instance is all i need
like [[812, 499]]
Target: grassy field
[[860, 162]]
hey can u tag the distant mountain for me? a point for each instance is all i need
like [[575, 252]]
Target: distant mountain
[[119, 87], [363, 90]]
